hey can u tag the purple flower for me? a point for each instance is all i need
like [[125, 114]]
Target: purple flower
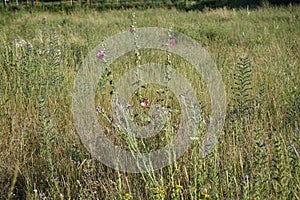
[[158, 106], [206, 121], [101, 55], [273, 165], [172, 42], [196, 106], [131, 29], [98, 109]]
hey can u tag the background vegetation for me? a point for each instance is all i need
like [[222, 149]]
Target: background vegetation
[[257, 53], [69, 5]]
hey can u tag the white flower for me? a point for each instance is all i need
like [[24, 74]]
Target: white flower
[[194, 138]]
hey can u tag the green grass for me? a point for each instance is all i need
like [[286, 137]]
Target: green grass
[[257, 53]]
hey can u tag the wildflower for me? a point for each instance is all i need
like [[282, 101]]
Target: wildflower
[[101, 55], [196, 106], [127, 196], [273, 165], [178, 187], [158, 106], [172, 42], [206, 121], [161, 191], [194, 138], [20, 42], [264, 143], [145, 102], [98, 109], [131, 29], [204, 196], [128, 105], [58, 52]]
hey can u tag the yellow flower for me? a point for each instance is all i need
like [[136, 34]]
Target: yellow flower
[[204, 196], [127, 196], [161, 191], [178, 187]]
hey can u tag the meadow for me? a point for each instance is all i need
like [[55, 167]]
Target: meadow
[[257, 52]]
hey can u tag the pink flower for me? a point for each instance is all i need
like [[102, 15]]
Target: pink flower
[[172, 42], [131, 29], [101, 54], [145, 102]]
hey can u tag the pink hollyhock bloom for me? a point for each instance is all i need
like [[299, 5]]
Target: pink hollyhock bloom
[[101, 55], [172, 42], [145, 102]]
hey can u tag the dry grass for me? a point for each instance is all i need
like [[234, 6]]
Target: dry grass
[[41, 156]]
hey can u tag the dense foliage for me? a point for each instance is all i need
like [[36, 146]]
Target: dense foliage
[[143, 4]]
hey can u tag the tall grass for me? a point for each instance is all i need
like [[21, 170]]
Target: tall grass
[[257, 157]]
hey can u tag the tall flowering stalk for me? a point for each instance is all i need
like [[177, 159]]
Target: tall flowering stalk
[[49, 138], [171, 42], [136, 52]]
